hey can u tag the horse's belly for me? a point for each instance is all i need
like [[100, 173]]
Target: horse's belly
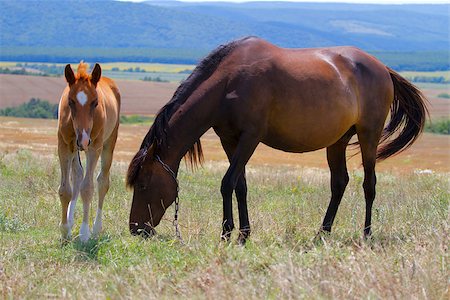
[[303, 135]]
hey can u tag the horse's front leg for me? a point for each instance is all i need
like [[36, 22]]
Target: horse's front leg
[[87, 187], [103, 180], [65, 191], [234, 175]]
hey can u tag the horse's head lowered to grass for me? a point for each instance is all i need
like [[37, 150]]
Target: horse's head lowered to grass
[[83, 101]]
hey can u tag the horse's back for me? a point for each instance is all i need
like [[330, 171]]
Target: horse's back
[[308, 98]]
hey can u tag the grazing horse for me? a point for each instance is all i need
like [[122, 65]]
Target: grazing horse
[[88, 121], [296, 100]]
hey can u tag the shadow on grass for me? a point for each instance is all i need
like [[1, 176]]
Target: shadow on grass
[[89, 250]]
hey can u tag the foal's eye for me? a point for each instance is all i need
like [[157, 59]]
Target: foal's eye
[[71, 103], [94, 103]]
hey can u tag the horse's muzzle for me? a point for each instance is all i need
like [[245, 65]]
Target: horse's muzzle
[[143, 230]]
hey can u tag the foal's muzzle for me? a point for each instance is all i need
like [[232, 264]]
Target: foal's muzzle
[[83, 141]]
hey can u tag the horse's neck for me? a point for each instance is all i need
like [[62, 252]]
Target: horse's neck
[[190, 121]]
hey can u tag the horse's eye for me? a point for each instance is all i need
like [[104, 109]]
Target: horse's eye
[[94, 103], [71, 103]]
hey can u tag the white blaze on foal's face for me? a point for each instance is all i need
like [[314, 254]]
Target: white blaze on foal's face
[[82, 98]]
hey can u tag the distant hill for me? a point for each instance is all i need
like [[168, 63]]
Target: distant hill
[[182, 32]]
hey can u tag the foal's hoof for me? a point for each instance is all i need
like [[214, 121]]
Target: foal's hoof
[[85, 233]]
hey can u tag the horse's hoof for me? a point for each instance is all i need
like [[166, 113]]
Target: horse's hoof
[[243, 236], [225, 237]]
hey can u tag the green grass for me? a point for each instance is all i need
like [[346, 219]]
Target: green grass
[[441, 126], [412, 74], [136, 119], [406, 258], [444, 95]]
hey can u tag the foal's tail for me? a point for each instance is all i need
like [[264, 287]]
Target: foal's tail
[[408, 114]]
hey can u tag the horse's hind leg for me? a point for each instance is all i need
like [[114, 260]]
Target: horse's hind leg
[[103, 180], [241, 196], [368, 140], [339, 177]]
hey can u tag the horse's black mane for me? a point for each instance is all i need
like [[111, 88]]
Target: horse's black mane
[[157, 134]]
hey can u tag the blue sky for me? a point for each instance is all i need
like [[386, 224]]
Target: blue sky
[[345, 1]]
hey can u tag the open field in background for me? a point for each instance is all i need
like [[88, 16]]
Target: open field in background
[[431, 151], [410, 74], [146, 98], [127, 71], [147, 67], [138, 97]]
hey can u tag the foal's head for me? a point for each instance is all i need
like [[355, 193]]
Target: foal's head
[[83, 101]]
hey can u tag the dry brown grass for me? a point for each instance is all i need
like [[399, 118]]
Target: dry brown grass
[[429, 152]]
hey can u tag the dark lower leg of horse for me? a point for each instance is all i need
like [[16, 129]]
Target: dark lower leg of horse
[[241, 196], [339, 178], [338, 185], [369, 193], [238, 157], [228, 223]]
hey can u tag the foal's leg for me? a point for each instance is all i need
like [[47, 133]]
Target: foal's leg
[[87, 187], [244, 150], [65, 191], [241, 196], [103, 180], [339, 177], [77, 178]]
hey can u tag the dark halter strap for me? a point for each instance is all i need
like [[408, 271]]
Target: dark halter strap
[[177, 199]]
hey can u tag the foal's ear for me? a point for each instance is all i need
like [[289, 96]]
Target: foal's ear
[[96, 74], [70, 76]]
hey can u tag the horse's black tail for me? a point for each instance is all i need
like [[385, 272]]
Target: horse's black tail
[[408, 114]]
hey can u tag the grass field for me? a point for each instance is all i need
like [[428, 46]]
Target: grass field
[[288, 195], [407, 257], [147, 67], [445, 74]]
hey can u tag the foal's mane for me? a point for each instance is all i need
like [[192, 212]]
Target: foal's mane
[[82, 71], [156, 136]]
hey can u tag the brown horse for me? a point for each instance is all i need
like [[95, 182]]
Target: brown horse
[[88, 121], [296, 100]]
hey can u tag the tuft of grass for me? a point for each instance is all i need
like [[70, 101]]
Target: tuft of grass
[[136, 119], [441, 126], [407, 257], [444, 95]]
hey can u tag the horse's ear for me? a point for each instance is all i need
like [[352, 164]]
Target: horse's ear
[[70, 76], [96, 74]]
